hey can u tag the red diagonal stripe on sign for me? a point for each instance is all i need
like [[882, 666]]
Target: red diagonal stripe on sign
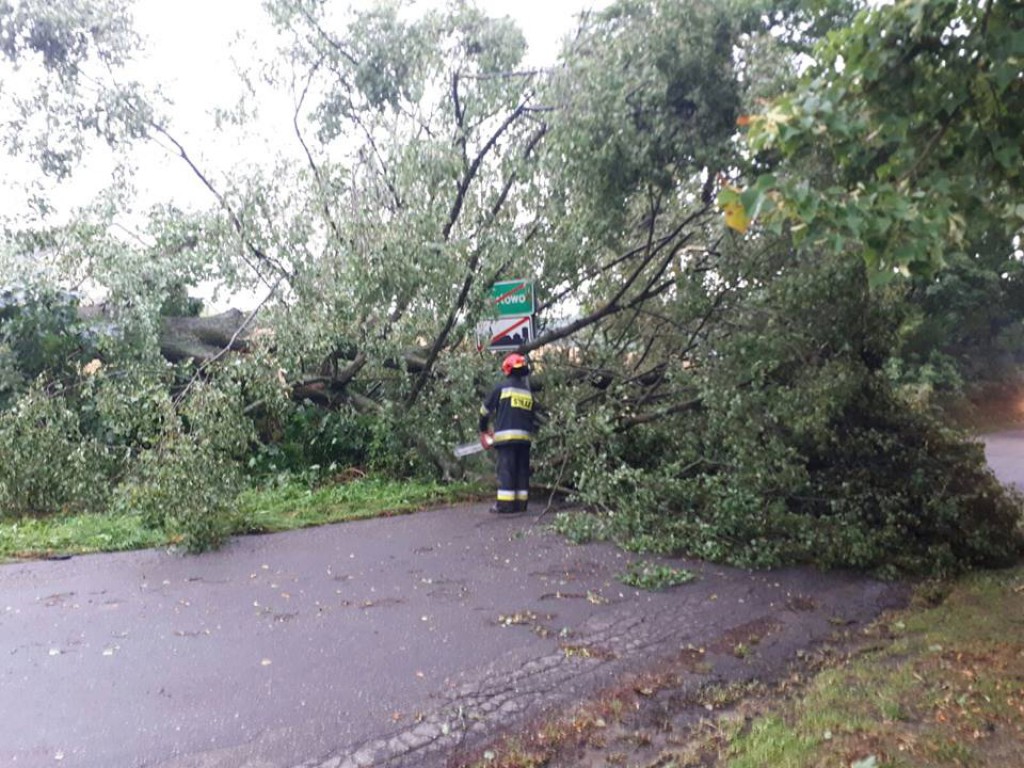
[[511, 328], [509, 293]]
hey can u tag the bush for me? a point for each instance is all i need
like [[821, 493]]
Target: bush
[[40, 333], [49, 467], [185, 489], [303, 436], [803, 450], [119, 438], [885, 490], [187, 483], [907, 493]]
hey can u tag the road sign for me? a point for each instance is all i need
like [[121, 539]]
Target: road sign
[[513, 298], [505, 333]]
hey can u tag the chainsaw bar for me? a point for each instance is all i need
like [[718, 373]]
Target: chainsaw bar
[[467, 449]]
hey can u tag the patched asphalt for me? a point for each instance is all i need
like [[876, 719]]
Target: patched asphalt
[[396, 642]]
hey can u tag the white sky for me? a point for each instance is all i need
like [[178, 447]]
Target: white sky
[[192, 46]]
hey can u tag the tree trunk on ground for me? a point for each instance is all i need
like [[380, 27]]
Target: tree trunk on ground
[[203, 338]]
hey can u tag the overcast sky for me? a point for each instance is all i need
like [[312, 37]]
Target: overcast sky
[[191, 45], [190, 51], [189, 39]]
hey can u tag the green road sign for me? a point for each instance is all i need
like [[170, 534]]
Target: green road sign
[[512, 298]]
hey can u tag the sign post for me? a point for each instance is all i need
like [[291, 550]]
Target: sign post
[[507, 333]]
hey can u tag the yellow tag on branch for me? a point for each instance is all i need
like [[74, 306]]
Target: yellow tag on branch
[[736, 216]]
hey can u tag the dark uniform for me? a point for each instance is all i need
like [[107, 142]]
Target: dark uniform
[[510, 406]]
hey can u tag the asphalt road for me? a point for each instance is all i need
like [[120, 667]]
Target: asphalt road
[[389, 642], [1004, 452]]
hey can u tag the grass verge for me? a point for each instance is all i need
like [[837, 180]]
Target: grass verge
[[293, 505], [283, 507], [945, 689]]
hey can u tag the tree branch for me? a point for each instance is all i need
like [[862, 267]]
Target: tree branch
[[317, 175], [613, 306], [236, 222], [471, 172], [661, 413], [471, 269], [315, 24], [932, 144]]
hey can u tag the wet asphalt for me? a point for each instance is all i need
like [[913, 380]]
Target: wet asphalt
[[401, 641], [1004, 452]]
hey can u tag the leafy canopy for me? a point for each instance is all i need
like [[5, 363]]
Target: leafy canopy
[[914, 113]]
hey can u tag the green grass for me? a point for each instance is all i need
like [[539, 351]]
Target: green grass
[[79, 534], [947, 688], [297, 506], [281, 508]]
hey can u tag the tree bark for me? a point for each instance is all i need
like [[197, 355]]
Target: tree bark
[[203, 338]]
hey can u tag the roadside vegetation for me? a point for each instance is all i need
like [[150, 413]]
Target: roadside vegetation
[[771, 247], [942, 685], [267, 509]]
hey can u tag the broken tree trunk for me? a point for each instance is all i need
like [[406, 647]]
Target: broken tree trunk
[[203, 338]]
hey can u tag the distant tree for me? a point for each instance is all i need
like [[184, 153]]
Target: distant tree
[[965, 325]]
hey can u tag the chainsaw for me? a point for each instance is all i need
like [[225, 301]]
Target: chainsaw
[[467, 449]]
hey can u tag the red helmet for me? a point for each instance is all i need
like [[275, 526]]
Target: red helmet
[[513, 361]]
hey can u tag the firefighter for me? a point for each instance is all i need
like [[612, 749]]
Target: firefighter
[[510, 409]]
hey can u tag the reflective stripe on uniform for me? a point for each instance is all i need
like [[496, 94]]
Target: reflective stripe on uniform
[[506, 495], [511, 434], [507, 392]]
